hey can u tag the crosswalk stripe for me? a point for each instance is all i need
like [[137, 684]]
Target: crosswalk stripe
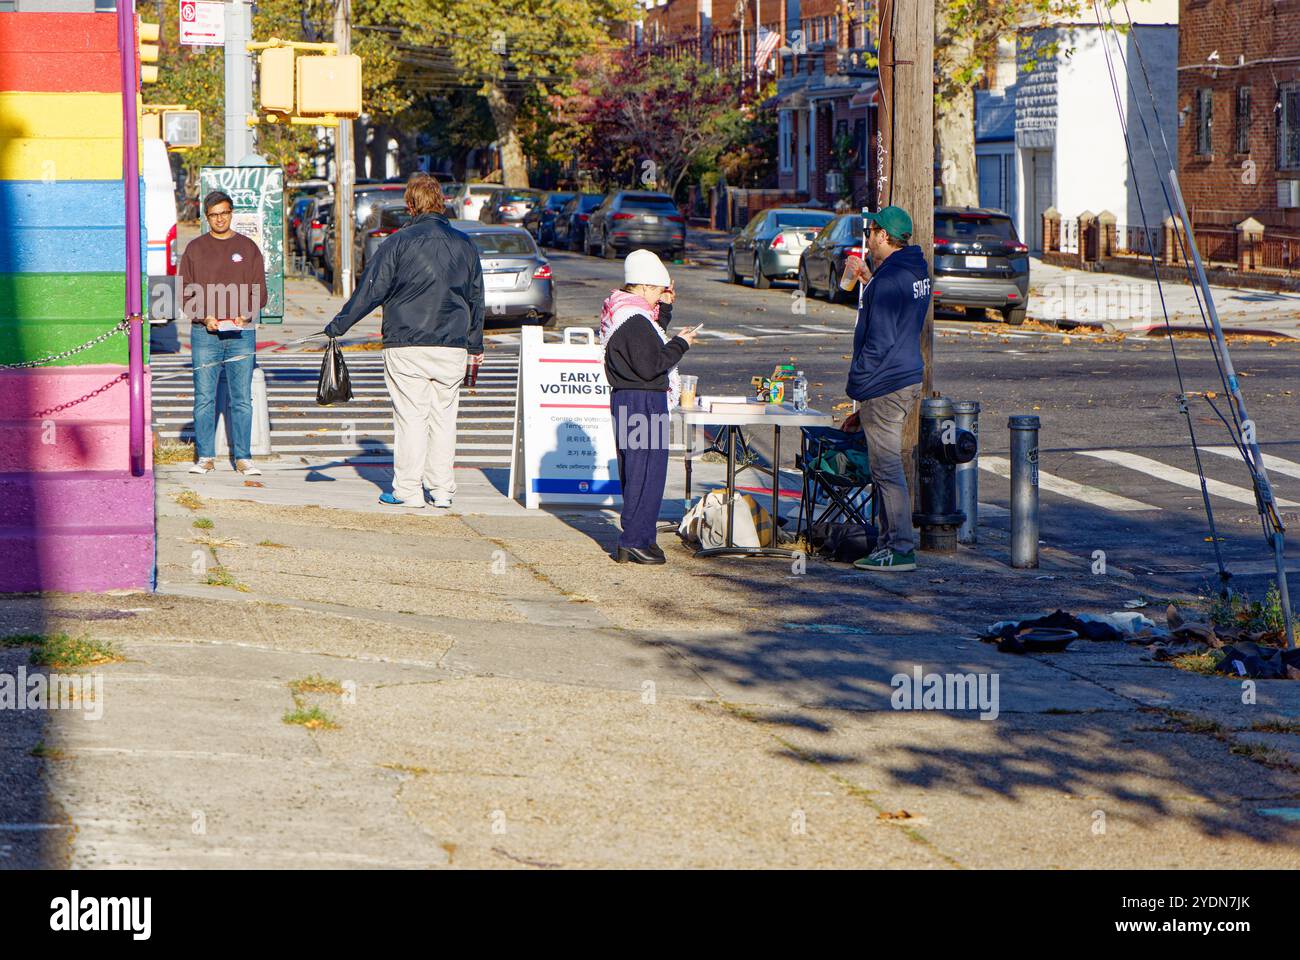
[[299, 426], [1175, 475], [1273, 464], [1069, 488]]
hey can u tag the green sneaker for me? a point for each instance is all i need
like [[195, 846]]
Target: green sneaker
[[888, 561]]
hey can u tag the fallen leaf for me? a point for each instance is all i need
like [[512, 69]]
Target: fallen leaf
[[253, 483], [899, 815]]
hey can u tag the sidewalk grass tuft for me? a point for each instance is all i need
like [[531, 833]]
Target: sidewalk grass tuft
[[202, 523], [313, 718], [188, 499], [64, 652], [315, 684]]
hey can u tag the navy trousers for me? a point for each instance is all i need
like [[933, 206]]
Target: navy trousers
[[641, 429]]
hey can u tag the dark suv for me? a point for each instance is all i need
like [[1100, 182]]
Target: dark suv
[[979, 262], [633, 218]]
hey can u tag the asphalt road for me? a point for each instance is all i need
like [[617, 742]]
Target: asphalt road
[[1118, 470]]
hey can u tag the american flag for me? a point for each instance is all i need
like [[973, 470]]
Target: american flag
[[768, 41]]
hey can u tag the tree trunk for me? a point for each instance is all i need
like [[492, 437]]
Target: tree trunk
[[955, 132], [378, 150], [514, 168]]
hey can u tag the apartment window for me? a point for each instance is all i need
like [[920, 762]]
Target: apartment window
[[860, 138], [1204, 123], [1243, 119], [1288, 127]]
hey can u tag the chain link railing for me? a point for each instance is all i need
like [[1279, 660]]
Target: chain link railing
[[121, 327]]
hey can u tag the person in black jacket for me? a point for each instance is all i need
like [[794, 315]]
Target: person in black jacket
[[640, 365], [428, 279]]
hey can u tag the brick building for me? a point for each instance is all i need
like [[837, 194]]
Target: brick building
[[825, 94], [1239, 112]]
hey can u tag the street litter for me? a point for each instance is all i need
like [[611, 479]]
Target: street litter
[[1054, 632]]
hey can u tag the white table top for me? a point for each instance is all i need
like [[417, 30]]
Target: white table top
[[769, 414]]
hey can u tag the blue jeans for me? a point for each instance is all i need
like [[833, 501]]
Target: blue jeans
[[207, 351]]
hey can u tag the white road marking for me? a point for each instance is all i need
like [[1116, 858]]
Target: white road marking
[[1273, 464], [1183, 478], [1068, 488]]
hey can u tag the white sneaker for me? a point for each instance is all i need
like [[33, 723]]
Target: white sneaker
[[248, 468], [206, 465], [443, 502]]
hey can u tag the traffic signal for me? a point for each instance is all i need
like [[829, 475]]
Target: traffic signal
[[275, 82], [329, 85], [148, 51]]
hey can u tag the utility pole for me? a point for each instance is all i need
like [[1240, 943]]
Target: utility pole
[[905, 150], [239, 80], [344, 168]]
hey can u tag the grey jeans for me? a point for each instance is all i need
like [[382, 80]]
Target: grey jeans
[[882, 423]]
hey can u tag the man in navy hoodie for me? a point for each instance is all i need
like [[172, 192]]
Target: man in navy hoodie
[[885, 376]]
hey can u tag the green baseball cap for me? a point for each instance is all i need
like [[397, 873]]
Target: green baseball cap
[[893, 220]]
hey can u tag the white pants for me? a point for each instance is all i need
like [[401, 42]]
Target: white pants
[[424, 384]]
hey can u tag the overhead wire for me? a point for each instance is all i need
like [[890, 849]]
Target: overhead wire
[[1224, 575]]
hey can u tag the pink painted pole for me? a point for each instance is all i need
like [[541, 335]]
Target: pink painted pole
[[126, 46]]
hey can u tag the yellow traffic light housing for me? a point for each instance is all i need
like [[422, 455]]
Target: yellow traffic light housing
[[149, 34], [275, 80], [329, 85]]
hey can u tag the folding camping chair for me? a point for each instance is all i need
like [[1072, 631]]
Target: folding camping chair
[[829, 495]]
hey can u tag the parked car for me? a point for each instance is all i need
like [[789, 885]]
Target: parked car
[[979, 262], [630, 219], [540, 221], [769, 247], [822, 262], [468, 200], [516, 277], [317, 227], [365, 197], [508, 205], [298, 225], [384, 220], [571, 222]]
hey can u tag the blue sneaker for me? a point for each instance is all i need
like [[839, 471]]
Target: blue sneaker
[[388, 500]]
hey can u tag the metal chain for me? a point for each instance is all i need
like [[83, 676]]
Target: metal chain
[[121, 327]]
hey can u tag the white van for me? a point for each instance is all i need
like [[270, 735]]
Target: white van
[[161, 256]]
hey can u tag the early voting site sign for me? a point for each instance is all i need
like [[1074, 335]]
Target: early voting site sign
[[564, 437], [257, 194]]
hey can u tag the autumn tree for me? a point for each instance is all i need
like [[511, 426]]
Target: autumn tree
[[509, 50], [967, 36], [650, 119]]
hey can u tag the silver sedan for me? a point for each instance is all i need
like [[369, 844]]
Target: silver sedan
[[517, 282]]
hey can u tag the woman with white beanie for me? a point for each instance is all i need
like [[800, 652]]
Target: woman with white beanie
[[641, 367]]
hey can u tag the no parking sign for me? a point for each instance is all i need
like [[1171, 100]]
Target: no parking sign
[[202, 23]]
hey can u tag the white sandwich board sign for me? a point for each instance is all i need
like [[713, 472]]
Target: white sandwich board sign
[[564, 449]]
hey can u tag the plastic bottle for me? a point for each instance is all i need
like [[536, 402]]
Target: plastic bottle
[[800, 391]]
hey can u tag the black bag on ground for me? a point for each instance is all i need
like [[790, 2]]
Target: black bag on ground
[[843, 542], [335, 386]]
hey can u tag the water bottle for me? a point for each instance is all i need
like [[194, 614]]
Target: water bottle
[[799, 394]]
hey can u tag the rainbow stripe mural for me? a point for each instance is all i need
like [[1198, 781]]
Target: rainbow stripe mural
[[72, 517]]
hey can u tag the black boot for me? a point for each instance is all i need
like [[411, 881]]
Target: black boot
[[637, 555]]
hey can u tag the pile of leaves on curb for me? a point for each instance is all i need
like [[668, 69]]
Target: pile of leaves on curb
[[1238, 641]]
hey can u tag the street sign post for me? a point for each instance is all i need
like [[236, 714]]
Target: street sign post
[[257, 195], [202, 23]]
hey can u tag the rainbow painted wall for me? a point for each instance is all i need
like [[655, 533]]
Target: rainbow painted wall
[[72, 517]]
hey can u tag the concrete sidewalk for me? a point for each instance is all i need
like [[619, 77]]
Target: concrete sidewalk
[[505, 695], [1133, 304]]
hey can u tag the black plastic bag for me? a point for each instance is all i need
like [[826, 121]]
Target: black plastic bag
[[335, 386]]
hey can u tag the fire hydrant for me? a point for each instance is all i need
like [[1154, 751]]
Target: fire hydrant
[[941, 447]]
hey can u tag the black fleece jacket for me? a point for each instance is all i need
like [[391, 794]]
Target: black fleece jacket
[[635, 357]]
